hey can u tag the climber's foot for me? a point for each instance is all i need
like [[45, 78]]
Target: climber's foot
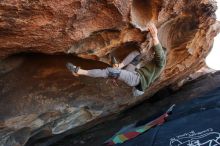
[[74, 69]]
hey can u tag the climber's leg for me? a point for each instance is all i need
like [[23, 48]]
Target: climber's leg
[[127, 60], [131, 61], [95, 73], [131, 56], [130, 78]]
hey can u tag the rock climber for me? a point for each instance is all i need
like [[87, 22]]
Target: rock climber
[[138, 78]]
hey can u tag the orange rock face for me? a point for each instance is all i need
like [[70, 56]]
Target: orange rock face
[[52, 26], [93, 29], [45, 94]]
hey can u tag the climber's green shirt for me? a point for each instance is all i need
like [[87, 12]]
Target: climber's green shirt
[[151, 71]]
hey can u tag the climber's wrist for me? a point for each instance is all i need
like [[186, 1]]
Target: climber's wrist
[[155, 41]]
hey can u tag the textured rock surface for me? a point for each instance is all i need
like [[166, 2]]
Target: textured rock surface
[[161, 101], [39, 98]]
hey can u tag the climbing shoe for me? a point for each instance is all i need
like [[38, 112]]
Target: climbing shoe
[[72, 68]]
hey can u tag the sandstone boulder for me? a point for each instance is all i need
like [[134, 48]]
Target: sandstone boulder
[[39, 97]]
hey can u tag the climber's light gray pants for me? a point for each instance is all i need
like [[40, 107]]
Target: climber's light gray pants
[[130, 78], [127, 75]]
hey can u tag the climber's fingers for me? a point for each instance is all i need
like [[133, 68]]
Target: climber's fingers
[[147, 27], [153, 30]]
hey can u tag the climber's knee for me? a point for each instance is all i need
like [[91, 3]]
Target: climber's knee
[[113, 72]]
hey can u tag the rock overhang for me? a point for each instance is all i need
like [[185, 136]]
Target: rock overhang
[[92, 29]]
